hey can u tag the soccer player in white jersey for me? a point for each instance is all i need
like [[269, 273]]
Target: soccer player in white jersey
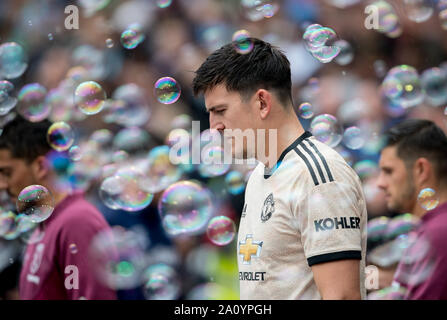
[[302, 232]]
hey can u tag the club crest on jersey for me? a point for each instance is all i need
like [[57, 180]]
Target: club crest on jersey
[[268, 208]]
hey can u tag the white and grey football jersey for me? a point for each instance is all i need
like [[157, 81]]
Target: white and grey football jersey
[[308, 209]]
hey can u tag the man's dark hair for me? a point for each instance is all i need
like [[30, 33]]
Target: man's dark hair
[[25, 140], [415, 138], [265, 66]]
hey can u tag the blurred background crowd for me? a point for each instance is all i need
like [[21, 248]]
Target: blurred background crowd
[[126, 46]]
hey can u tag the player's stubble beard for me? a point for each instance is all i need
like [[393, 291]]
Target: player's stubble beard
[[404, 201]]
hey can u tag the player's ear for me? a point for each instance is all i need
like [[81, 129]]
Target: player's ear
[[264, 99], [40, 167]]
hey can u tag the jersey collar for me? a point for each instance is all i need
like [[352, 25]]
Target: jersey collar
[[269, 172]]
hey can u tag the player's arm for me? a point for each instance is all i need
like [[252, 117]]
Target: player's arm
[[330, 220], [338, 280]]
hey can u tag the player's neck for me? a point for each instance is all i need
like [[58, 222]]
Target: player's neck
[[287, 130]]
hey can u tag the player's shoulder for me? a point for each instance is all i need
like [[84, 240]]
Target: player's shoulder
[[80, 213], [322, 163]]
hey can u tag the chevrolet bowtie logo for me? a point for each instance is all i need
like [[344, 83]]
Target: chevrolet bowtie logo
[[249, 248]]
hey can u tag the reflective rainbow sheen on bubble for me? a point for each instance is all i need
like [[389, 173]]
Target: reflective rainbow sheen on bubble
[[167, 90], [75, 153], [120, 156], [159, 171], [132, 36], [161, 282], [164, 3], [428, 199], [327, 129], [90, 97], [60, 136], [123, 191], [7, 222], [434, 83], [109, 43], [7, 101], [354, 138], [31, 104], [185, 208], [214, 162], [269, 10], [403, 87], [418, 10], [221, 230], [321, 42], [305, 110], [13, 61], [24, 223], [36, 202], [235, 183], [242, 41]]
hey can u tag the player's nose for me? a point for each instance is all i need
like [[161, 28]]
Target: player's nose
[[216, 125], [381, 183]]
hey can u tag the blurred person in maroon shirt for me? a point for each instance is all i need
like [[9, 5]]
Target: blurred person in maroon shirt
[[56, 265], [414, 159]]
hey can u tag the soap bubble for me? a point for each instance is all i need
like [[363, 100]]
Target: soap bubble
[[327, 129], [60, 136], [242, 41], [428, 199], [90, 97], [13, 61], [164, 3], [354, 138], [159, 171], [36, 202], [402, 86], [235, 183], [123, 191], [32, 104], [305, 110], [167, 90], [7, 101], [419, 10], [434, 83], [132, 36], [161, 282], [185, 208], [221, 230]]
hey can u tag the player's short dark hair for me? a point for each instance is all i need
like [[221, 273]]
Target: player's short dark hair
[[24, 139], [265, 66], [415, 138]]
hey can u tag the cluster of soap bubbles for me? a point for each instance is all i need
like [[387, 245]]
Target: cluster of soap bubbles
[[124, 190], [256, 10], [388, 21], [34, 205], [404, 87], [321, 42]]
